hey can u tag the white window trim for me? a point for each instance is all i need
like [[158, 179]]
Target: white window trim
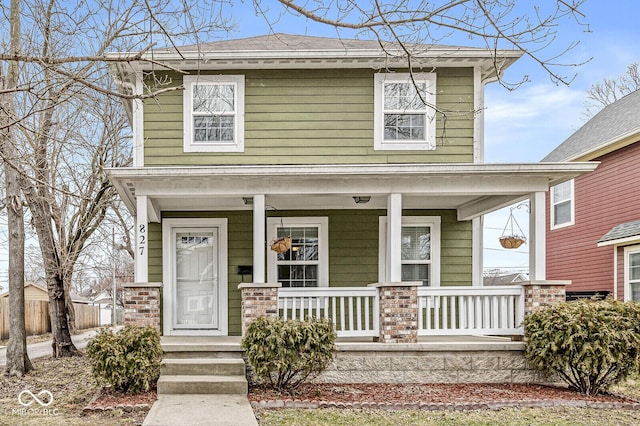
[[168, 264], [238, 140], [432, 221], [273, 223], [378, 123], [629, 250], [552, 203]]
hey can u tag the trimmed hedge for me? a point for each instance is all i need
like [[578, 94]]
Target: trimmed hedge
[[588, 344], [128, 360], [285, 354]]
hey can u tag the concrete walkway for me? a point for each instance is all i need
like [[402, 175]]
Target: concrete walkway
[[43, 349], [201, 410]]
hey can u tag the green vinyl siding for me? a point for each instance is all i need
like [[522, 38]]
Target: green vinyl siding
[[312, 116], [353, 248]]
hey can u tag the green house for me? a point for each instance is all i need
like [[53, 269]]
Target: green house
[[320, 165]]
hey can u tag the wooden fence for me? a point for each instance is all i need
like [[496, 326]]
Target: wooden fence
[[37, 317]]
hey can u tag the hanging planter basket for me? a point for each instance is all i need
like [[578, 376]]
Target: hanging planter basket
[[515, 238], [512, 242], [281, 245]]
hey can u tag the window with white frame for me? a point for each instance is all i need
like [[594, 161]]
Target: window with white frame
[[404, 111], [420, 249], [562, 205], [214, 113], [306, 263], [632, 273]]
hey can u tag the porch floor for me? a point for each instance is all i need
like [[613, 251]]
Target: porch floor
[[425, 343]]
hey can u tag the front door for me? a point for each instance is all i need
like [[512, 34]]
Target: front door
[[195, 297]]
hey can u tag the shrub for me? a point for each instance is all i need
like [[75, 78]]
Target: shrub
[[284, 354], [128, 360], [589, 344]]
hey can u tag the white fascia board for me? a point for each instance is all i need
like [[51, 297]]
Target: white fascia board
[[444, 169], [438, 56], [621, 241], [611, 145], [486, 205]]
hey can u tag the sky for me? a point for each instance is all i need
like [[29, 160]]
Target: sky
[[522, 125]]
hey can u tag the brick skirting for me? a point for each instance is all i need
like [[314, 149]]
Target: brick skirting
[[142, 304]]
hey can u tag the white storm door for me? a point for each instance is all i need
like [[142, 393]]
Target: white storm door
[[197, 278]]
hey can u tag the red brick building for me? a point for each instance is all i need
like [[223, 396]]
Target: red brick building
[[593, 225]]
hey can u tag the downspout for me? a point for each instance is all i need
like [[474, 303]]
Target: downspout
[[615, 272]]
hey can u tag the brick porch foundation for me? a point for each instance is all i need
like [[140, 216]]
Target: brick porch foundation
[[142, 304]]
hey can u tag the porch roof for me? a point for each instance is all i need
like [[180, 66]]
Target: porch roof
[[472, 189]]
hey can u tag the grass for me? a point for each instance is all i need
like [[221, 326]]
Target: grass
[[72, 385], [560, 416]]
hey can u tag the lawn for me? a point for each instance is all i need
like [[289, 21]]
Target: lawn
[[72, 386], [560, 416]]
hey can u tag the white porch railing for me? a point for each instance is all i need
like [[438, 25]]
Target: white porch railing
[[470, 310], [353, 310]]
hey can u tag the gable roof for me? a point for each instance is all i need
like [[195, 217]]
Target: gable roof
[[616, 126], [288, 51], [504, 279], [621, 233]]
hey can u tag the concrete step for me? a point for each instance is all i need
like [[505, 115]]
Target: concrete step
[[183, 347], [203, 366], [210, 384]]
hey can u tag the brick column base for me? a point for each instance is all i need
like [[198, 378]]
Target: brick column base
[[538, 294], [258, 300], [142, 304], [398, 312]]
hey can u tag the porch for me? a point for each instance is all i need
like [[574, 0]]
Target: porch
[[200, 230]]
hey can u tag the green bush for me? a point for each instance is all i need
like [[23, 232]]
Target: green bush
[[128, 360], [589, 344], [284, 354]]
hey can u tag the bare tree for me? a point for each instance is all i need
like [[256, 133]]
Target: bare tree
[[65, 61], [608, 91], [531, 27], [18, 361]]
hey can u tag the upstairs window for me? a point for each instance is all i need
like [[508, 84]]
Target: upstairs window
[[214, 113], [404, 111], [562, 205]]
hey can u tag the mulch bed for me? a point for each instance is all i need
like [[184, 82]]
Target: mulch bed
[[431, 397], [107, 400]]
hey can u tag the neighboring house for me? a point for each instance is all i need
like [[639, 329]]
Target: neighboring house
[[328, 141], [593, 233], [505, 279], [33, 291]]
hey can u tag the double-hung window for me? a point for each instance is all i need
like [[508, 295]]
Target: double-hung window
[[562, 204], [214, 113], [404, 111], [306, 263], [632, 273], [420, 249]]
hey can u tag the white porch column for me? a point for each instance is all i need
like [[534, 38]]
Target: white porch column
[[394, 238], [259, 238], [477, 262], [142, 244], [537, 237]]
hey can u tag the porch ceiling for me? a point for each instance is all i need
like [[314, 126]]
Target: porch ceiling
[[472, 189]]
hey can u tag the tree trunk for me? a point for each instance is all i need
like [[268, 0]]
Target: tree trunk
[[18, 361]]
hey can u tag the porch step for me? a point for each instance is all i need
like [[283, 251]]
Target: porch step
[[203, 366], [209, 384], [201, 347]]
